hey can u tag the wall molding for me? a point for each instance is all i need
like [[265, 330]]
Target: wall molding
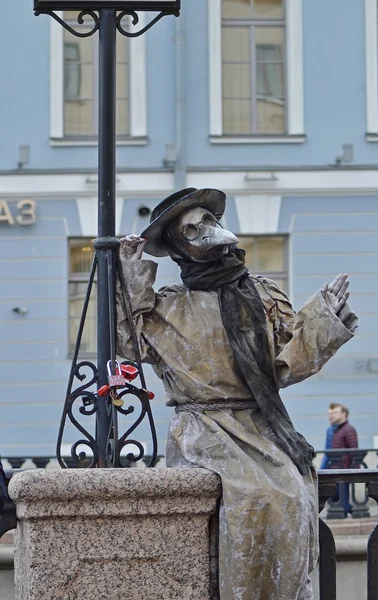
[[294, 58], [215, 67], [258, 213], [155, 185], [56, 78], [371, 65], [88, 215]]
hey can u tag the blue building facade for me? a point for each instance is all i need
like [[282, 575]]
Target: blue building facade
[[274, 102]]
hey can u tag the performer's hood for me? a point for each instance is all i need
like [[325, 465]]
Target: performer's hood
[[175, 205]]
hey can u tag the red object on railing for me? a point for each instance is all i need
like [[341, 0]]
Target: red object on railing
[[129, 372], [104, 391]]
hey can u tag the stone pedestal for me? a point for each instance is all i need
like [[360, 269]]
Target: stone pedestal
[[114, 534]]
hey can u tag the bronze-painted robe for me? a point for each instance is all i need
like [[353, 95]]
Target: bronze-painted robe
[[268, 515]]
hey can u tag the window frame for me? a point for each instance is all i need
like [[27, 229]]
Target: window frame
[[371, 66], [137, 87], [274, 275], [252, 24], [80, 278], [294, 80]]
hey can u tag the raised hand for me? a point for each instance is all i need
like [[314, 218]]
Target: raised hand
[[132, 247], [335, 294]]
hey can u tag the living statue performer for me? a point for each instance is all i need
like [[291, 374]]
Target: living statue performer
[[224, 342]]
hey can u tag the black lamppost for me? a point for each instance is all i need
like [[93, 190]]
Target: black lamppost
[[106, 444]]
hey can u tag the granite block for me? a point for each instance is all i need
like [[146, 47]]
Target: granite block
[[114, 534]]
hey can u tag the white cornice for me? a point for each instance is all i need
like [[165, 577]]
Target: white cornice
[[155, 185], [82, 185], [309, 183]]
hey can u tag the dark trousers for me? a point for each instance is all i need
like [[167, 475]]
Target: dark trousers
[[3, 489], [343, 497]]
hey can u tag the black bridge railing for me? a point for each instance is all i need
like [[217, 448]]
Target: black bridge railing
[[329, 480], [347, 494]]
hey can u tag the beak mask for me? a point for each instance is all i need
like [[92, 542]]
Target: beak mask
[[198, 235]]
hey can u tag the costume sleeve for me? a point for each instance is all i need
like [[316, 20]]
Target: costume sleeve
[[137, 277], [304, 341]]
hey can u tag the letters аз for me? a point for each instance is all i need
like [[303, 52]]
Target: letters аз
[[24, 214]]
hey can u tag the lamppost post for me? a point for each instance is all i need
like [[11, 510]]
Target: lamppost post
[[106, 244], [105, 444]]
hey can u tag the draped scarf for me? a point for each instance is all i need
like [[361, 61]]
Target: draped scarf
[[244, 320]]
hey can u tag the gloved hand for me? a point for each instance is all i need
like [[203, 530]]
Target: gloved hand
[[132, 246], [335, 294]]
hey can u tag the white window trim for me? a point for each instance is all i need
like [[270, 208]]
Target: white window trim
[[138, 91], [294, 60], [371, 60], [88, 215]]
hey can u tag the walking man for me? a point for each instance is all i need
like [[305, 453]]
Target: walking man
[[344, 436]]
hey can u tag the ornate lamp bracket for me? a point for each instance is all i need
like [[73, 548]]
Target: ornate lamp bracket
[[80, 20], [135, 20], [96, 22]]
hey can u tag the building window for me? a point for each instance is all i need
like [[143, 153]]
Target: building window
[[81, 82], [253, 66], [81, 256], [74, 85], [256, 70], [267, 255]]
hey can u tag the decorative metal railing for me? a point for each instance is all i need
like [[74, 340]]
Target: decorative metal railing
[[348, 494], [328, 482]]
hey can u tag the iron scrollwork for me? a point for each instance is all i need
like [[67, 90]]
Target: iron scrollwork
[[80, 20], [125, 440], [96, 22], [135, 20], [87, 373]]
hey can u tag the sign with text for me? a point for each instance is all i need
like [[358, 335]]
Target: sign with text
[[156, 5], [22, 213]]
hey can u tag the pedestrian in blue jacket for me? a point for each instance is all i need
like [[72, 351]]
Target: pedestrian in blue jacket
[[329, 434]]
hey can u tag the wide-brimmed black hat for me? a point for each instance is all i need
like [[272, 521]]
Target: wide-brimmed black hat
[[173, 206]]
